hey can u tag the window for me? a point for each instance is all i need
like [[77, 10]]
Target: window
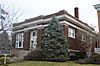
[[83, 38], [71, 32], [19, 40], [33, 40], [33, 33], [90, 40]]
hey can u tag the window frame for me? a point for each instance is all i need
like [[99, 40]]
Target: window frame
[[19, 37], [71, 32], [83, 37], [34, 39], [91, 40]]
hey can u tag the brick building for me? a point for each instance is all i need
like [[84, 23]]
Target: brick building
[[28, 35]]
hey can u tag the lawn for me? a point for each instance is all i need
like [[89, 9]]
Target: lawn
[[44, 63]]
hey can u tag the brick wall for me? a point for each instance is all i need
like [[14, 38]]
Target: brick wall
[[26, 42], [72, 43], [13, 40], [65, 28], [40, 33]]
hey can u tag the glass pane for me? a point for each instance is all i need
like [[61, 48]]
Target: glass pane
[[33, 33], [20, 44]]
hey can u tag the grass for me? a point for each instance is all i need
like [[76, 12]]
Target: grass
[[45, 63]]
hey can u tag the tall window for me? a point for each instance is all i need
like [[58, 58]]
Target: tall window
[[90, 40], [33, 40], [19, 40], [83, 37], [71, 32]]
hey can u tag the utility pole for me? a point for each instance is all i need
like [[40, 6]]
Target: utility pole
[[1, 20], [0, 17]]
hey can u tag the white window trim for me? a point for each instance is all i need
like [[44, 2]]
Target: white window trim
[[17, 37], [91, 40], [70, 34], [83, 38], [33, 38]]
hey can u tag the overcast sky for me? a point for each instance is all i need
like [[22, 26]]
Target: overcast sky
[[32, 8]]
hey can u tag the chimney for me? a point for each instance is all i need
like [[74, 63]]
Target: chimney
[[76, 13]]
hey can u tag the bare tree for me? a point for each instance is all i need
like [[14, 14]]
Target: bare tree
[[8, 15], [93, 26], [11, 15]]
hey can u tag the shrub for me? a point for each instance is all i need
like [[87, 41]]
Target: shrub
[[84, 61], [14, 52], [80, 61], [80, 55], [56, 59], [35, 54], [96, 58], [3, 58]]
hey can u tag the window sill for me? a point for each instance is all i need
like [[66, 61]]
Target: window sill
[[71, 37], [19, 47]]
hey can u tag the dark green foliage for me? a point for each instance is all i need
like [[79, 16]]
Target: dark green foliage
[[96, 57], [55, 44], [35, 54], [80, 55], [3, 58], [5, 43]]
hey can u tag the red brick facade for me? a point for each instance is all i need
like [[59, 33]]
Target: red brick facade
[[26, 40], [74, 44], [40, 33]]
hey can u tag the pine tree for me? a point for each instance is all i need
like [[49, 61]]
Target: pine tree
[[55, 44], [5, 43]]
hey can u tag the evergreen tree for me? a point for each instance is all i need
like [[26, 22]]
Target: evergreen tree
[[55, 44], [5, 43]]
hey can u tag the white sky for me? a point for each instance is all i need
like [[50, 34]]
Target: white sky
[[33, 8]]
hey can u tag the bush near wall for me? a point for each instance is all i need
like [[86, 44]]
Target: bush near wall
[[95, 58], [3, 58], [55, 59], [80, 55], [77, 55], [14, 53], [35, 54]]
